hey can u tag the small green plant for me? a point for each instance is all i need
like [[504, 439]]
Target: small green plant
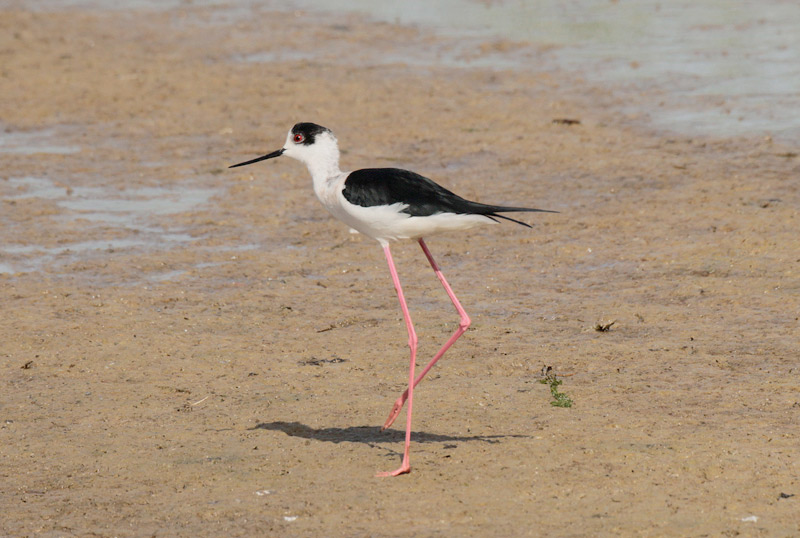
[[559, 398]]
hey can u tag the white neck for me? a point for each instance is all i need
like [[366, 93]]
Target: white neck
[[322, 160], [324, 164]]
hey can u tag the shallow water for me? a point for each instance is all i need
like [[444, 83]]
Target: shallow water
[[718, 67], [128, 214], [33, 142]]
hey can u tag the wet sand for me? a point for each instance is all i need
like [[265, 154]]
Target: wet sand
[[215, 358]]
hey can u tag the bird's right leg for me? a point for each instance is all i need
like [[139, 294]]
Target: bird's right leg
[[405, 466], [463, 325]]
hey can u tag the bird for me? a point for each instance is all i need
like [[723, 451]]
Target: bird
[[388, 205]]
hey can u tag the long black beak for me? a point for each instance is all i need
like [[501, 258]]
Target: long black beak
[[263, 158]]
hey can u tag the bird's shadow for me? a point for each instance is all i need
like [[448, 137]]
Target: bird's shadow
[[371, 435]]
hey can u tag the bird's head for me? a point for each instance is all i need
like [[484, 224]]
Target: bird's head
[[309, 143]]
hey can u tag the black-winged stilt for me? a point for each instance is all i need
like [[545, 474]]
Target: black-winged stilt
[[389, 204]]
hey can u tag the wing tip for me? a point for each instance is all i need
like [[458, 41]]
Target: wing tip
[[491, 215]]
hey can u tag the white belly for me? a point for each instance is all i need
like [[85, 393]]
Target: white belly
[[388, 222]]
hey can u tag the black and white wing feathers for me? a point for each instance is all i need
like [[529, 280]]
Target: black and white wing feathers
[[421, 196]]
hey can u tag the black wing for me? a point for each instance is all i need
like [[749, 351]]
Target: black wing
[[386, 186]]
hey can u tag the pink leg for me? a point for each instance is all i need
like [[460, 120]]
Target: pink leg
[[405, 467], [463, 325]]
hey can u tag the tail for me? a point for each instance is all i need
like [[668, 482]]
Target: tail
[[493, 212]]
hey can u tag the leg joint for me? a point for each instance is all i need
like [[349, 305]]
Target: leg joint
[[412, 341]]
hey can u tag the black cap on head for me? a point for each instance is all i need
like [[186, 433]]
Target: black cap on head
[[309, 131]]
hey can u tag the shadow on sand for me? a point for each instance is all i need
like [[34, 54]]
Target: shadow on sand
[[371, 434]]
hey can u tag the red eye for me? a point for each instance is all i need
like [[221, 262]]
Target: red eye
[[298, 138]]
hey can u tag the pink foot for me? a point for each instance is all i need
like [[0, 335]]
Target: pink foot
[[398, 406], [404, 468]]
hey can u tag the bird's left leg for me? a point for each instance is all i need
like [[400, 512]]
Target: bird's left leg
[[463, 325]]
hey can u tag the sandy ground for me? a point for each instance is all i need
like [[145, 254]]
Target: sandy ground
[[221, 367]]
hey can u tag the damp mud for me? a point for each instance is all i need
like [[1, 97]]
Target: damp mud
[[188, 350]]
